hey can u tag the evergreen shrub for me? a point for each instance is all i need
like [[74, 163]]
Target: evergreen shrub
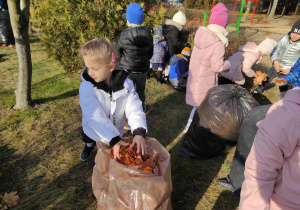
[[67, 24]]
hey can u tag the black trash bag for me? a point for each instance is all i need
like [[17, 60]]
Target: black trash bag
[[217, 121], [6, 33], [246, 138]]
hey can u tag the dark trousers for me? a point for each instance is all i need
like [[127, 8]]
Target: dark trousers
[[139, 81], [272, 74], [87, 139], [243, 147]]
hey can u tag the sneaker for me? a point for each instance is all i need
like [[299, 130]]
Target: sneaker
[[226, 182], [86, 152], [158, 82]]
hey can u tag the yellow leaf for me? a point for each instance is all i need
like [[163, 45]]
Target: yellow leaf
[[11, 199]]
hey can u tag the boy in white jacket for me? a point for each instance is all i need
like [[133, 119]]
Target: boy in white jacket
[[107, 97]]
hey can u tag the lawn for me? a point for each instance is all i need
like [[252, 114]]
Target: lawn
[[40, 145]]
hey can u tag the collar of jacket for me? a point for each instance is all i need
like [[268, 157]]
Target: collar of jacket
[[134, 26], [117, 80], [173, 23], [221, 32]]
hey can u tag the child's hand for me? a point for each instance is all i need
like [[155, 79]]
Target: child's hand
[[277, 66], [116, 149], [279, 82], [140, 144], [285, 71]]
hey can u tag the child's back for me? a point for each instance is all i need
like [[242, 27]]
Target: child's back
[[206, 62], [135, 45]]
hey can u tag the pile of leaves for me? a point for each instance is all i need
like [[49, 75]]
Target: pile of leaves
[[9, 200], [130, 157], [260, 78]]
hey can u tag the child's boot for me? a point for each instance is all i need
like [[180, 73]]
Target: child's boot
[[149, 73], [159, 77], [86, 152]]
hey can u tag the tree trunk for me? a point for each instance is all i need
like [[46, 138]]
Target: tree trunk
[[272, 13], [247, 10], [19, 16], [297, 8], [284, 8], [270, 6]]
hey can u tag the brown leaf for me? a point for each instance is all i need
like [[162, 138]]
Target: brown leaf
[[11, 199], [260, 77]]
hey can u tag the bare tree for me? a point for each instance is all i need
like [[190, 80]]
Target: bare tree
[[284, 8], [247, 10], [19, 16], [298, 4], [272, 13], [270, 6]]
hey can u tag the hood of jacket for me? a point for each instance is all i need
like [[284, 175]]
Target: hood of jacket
[[221, 32], [116, 84], [169, 25], [157, 40], [205, 37], [175, 59]]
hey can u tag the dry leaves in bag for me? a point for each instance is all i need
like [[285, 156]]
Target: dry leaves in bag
[[260, 78], [130, 157]]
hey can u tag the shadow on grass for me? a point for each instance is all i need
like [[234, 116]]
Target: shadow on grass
[[190, 177], [227, 201], [39, 187], [15, 167], [61, 96]]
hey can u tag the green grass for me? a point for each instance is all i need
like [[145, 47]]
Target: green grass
[[40, 145]]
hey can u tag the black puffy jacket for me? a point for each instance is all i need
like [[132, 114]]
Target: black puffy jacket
[[135, 46], [171, 32]]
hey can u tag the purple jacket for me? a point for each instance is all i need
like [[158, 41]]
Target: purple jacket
[[160, 50]]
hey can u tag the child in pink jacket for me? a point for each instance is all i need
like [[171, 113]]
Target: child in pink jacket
[[207, 59], [272, 170], [248, 55]]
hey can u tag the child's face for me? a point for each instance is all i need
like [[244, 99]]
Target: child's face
[[99, 72], [294, 37]]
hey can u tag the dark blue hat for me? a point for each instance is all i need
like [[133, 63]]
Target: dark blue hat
[[135, 13], [158, 31]]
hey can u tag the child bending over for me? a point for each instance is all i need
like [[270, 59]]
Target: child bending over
[[248, 55], [107, 97], [179, 68]]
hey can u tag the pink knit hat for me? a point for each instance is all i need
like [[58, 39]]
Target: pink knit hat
[[267, 46], [219, 15]]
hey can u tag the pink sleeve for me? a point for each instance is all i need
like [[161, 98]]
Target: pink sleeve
[[248, 62], [274, 141], [217, 58]]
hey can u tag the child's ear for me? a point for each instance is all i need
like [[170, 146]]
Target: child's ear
[[112, 67]]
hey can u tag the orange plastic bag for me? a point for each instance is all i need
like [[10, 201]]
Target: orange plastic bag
[[117, 186]]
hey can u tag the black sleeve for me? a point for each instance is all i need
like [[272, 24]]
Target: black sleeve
[[139, 131], [114, 141], [175, 40]]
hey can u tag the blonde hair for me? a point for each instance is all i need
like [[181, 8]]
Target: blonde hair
[[102, 50]]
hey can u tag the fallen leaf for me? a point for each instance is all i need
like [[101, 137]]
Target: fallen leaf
[[11, 199], [260, 77]]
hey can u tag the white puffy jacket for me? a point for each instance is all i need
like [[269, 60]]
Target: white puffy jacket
[[103, 114]]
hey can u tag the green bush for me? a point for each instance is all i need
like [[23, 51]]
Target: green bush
[[199, 4], [67, 24]]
